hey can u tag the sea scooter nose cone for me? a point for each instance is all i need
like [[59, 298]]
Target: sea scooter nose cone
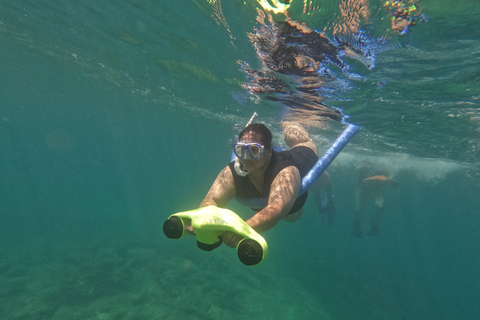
[[173, 228], [250, 252]]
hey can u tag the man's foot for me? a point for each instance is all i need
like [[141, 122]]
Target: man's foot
[[373, 231], [357, 229]]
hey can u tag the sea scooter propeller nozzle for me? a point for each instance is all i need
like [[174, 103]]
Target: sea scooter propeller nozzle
[[250, 252], [173, 228]]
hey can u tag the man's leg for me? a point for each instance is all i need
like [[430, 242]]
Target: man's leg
[[295, 135], [379, 210], [360, 203]]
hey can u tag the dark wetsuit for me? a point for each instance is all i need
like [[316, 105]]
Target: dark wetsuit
[[301, 157]]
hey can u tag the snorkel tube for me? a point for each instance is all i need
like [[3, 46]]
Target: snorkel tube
[[317, 170], [237, 165]]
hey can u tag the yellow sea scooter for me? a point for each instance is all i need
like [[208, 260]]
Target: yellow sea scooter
[[210, 223]]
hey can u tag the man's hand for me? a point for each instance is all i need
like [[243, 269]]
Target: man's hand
[[189, 229], [231, 239]]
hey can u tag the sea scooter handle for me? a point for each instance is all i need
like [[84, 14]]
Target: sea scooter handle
[[210, 223]]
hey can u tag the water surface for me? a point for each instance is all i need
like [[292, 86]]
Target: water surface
[[115, 115]]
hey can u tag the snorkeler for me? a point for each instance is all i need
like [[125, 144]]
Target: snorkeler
[[325, 205], [370, 184], [405, 13], [262, 172]]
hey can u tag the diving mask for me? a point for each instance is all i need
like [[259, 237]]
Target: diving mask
[[248, 150]]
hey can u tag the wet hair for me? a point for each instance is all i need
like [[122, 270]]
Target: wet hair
[[259, 130]]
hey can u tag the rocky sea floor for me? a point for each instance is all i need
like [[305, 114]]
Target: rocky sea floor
[[111, 281]]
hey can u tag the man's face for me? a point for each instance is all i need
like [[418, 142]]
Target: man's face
[[251, 164]]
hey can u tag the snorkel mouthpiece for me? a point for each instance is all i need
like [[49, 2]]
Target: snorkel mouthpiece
[[239, 168]]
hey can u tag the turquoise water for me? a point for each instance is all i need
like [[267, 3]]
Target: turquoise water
[[114, 115]]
